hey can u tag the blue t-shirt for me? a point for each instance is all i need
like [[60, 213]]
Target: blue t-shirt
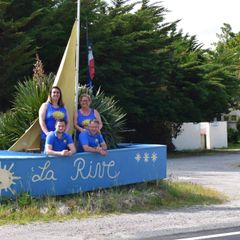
[[85, 138], [52, 114], [58, 144], [83, 120]]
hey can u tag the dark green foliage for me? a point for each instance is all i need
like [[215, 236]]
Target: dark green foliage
[[17, 43], [233, 135], [156, 73], [29, 96], [160, 76], [238, 125], [27, 27], [24, 200], [225, 63]]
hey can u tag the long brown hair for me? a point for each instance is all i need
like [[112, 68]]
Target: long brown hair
[[60, 101]]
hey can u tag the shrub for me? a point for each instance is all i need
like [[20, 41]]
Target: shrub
[[233, 135], [29, 96]]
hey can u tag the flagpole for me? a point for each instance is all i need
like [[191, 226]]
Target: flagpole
[[88, 84], [77, 55], [88, 73], [90, 61]]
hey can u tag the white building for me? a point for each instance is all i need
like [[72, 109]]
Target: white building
[[202, 135], [232, 118]]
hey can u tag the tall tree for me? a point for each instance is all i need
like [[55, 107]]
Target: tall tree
[[18, 48], [17, 53], [226, 65], [161, 76]]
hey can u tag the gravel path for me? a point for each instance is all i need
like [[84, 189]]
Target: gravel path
[[221, 172]]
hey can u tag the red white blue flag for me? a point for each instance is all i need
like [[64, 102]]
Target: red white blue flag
[[91, 69]]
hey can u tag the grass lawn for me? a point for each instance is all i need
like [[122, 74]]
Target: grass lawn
[[141, 197]]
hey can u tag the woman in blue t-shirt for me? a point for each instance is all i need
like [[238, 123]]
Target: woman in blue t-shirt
[[50, 111], [85, 114]]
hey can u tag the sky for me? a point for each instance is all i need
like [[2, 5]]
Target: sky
[[203, 18]]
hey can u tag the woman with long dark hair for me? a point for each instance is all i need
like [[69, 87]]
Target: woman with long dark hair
[[50, 111]]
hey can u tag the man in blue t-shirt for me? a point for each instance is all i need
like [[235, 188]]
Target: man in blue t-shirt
[[92, 140], [59, 143]]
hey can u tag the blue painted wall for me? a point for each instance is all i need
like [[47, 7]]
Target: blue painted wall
[[41, 175]]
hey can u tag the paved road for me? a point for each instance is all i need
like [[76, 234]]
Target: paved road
[[216, 234], [221, 172]]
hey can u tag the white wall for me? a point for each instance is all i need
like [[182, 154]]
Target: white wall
[[189, 138], [218, 134]]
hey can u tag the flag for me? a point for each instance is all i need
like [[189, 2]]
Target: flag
[[91, 70]]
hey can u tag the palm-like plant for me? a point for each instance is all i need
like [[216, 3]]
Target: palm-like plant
[[30, 94], [33, 92]]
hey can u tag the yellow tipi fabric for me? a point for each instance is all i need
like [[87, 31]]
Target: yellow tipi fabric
[[65, 79]]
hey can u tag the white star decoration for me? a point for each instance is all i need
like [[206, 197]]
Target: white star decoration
[[154, 157], [146, 157], [138, 157]]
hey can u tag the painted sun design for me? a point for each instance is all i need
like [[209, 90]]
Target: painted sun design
[[146, 157], [138, 157], [154, 157], [7, 178]]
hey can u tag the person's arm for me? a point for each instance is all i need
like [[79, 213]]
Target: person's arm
[[103, 146], [103, 149], [49, 151], [87, 148], [42, 115], [98, 117], [72, 149], [99, 150], [75, 123]]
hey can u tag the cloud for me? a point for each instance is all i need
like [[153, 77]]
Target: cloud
[[203, 18]]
